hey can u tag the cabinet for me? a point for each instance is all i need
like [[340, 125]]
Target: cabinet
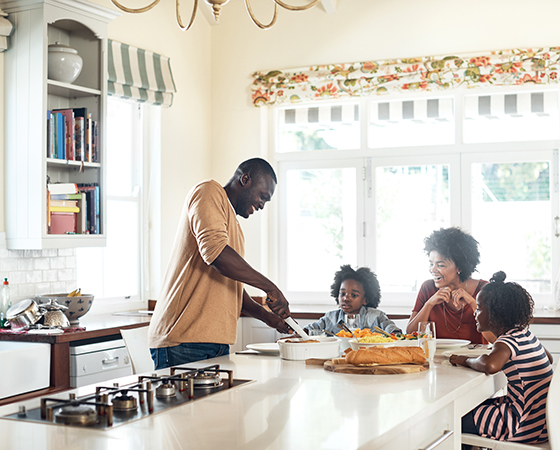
[[29, 94]]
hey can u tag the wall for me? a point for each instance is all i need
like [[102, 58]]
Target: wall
[[358, 31]]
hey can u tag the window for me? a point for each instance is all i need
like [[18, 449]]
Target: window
[[367, 189], [115, 273]]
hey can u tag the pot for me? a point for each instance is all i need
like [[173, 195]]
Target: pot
[[64, 63], [54, 315], [24, 314]]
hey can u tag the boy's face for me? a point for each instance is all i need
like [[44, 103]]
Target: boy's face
[[351, 296]]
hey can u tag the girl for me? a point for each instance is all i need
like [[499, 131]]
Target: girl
[[506, 309], [356, 292]]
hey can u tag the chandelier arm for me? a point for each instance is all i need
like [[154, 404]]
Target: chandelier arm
[[193, 15], [134, 10], [256, 22], [296, 8]]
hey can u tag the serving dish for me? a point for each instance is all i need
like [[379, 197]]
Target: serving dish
[[297, 349], [270, 348], [354, 344]]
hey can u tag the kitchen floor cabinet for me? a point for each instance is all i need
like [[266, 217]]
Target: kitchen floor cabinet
[[30, 94]]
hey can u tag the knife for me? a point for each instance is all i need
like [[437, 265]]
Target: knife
[[294, 325]]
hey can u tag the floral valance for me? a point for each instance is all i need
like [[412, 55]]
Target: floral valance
[[498, 68]]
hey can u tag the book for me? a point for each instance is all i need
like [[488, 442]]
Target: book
[[77, 196], [49, 134], [63, 223], [62, 188], [60, 135], [81, 217], [89, 140], [64, 203], [68, 133], [68, 209], [92, 207], [79, 139]]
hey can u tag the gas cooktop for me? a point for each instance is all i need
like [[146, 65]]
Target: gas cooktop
[[111, 406]]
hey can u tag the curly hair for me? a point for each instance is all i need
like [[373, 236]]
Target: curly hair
[[509, 305], [456, 245], [362, 275]]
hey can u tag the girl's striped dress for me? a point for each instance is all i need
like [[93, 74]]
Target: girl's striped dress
[[519, 416]]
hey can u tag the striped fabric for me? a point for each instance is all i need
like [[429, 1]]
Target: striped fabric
[[140, 75], [521, 415]]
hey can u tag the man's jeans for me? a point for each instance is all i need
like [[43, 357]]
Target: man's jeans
[[186, 353]]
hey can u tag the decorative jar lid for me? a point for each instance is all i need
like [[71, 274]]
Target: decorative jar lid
[[58, 47]]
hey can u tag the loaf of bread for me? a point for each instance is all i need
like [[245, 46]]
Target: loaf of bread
[[386, 355]]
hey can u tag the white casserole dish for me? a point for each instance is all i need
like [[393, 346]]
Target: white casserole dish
[[296, 350]]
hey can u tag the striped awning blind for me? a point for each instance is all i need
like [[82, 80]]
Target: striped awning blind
[[321, 114], [419, 110], [515, 105], [139, 74]]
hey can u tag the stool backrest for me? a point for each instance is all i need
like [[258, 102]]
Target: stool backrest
[[136, 341]]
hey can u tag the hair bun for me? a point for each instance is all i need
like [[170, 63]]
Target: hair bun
[[498, 277]]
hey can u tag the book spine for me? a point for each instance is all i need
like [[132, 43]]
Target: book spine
[[79, 138]]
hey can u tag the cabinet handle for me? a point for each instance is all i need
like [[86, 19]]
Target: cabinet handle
[[110, 360], [439, 440]]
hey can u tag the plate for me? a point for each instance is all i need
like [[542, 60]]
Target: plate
[[451, 343], [270, 348], [474, 352]]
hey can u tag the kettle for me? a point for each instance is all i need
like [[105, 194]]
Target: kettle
[[54, 315]]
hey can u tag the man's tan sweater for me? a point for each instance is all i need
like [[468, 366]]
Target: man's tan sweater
[[196, 303]]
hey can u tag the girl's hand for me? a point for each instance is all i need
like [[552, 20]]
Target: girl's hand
[[458, 359], [460, 298], [443, 295]]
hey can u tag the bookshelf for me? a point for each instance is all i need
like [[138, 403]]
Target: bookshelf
[[80, 25]]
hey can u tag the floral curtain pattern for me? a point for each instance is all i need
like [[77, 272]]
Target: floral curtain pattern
[[498, 68]]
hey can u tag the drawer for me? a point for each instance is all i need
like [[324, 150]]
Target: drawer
[[99, 362]]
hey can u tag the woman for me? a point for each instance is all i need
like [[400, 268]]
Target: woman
[[355, 292], [449, 298]]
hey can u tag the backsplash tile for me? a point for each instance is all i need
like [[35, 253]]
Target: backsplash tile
[[35, 272]]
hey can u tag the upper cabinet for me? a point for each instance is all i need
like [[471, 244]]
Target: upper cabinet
[[55, 130]]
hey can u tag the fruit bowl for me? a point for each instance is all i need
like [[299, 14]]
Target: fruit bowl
[[77, 306]]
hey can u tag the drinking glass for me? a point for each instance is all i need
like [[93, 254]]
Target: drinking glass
[[352, 321], [427, 338]]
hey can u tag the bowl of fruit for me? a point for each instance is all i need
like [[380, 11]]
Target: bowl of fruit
[[78, 304]]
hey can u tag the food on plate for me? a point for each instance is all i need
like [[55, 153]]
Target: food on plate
[[300, 342], [381, 356], [375, 339], [366, 332]]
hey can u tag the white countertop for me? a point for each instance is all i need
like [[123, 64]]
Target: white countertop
[[289, 406]]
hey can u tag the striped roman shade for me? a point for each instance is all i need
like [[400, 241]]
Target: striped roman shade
[[320, 114], [516, 105], [139, 74], [417, 110]]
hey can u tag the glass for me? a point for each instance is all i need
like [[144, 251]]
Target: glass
[[408, 195], [411, 123], [427, 338], [352, 321], [320, 223], [515, 198], [511, 117], [319, 128]]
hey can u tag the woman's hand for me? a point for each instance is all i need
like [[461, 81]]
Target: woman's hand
[[460, 298], [443, 295]]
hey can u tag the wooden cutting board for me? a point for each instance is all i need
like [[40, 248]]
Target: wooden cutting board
[[376, 370]]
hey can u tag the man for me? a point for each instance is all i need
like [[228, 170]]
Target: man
[[202, 295]]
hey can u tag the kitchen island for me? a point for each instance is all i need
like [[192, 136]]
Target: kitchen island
[[290, 405]]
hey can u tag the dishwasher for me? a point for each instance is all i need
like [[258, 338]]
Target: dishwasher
[[96, 360]]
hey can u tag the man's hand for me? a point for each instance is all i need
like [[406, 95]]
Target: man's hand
[[278, 303], [274, 321]]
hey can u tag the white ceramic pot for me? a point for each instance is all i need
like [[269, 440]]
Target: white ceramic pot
[[64, 63]]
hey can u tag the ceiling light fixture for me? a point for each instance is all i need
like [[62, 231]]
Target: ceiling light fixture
[[217, 7]]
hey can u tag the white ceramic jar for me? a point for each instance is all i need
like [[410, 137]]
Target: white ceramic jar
[[64, 63]]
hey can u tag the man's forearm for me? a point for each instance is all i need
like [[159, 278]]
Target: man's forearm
[[230, 264]]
